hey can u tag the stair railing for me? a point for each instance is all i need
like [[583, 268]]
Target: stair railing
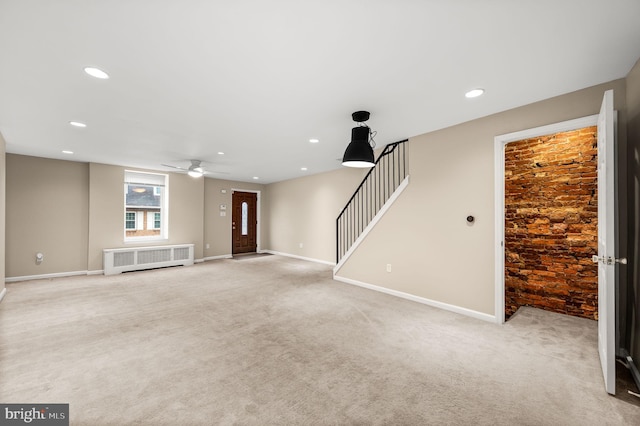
[[378, 185]]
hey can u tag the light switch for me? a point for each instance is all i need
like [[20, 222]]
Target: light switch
[[223, 213]]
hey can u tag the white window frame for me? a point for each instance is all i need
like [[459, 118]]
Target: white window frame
[[151, 179]]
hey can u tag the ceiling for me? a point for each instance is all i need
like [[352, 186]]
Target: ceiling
[[256, 79]]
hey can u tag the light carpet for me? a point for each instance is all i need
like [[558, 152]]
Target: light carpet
[[273, 340]]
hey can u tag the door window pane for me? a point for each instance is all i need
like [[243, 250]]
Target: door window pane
[[245, 214]]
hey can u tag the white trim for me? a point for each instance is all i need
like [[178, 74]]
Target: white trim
[[148, 238], [3, 293], [198, 261], [372, 224], [223, 256], [44, 276], [445, 306], [295, 256], [499, 144], [96, 272], [258, 219]]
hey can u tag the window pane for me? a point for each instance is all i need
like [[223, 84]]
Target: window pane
[[143, 195], [245, 213], [130, 220], [145, 198]]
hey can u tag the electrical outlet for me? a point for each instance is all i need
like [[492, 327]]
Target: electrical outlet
[[301, 245], [388, 267], [207, 246]]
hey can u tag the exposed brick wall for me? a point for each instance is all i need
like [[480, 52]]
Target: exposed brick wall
[[551, 223]]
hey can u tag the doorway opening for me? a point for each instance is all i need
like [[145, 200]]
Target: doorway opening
[[551, 223], [546, 219], [245, 212]]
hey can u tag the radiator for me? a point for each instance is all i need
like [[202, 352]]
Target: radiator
[[139, 258]]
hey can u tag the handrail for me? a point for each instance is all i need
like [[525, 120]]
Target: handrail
[[384, 153]]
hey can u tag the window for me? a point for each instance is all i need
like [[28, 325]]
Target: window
[[146, 201], [245, 214], [130, 220]]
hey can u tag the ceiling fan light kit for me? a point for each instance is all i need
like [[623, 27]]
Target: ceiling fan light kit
[[359, 152]]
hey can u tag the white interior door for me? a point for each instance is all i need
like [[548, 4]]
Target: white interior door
[[606, 243]]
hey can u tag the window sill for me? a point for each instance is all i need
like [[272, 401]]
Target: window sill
[[136, 240]]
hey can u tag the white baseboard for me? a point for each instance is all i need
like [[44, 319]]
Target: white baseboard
[[452, 308], [96, 272], [224, 256], [295, 256], [198, 261], [45, 276], [2, 294]]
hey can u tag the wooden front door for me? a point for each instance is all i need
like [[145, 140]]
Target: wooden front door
[[244, 222]]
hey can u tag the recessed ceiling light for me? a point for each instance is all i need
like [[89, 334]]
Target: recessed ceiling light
[[304, 169], [67, 152], [256, 177], [314, 140], [77, 124], [220, 153], [474, 93], [96, 72]]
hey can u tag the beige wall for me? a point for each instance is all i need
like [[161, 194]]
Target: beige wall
[[106, 212], [71, 211], [434, 253], [3, 174], [47, 206], [217, 229], [304, 210]]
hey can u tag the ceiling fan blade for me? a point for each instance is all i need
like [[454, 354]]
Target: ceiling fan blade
[[214, 172], [175, 167]]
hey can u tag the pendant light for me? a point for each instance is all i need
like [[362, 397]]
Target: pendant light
[[359, 153]]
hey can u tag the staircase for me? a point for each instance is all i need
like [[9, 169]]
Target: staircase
[[377, 191]]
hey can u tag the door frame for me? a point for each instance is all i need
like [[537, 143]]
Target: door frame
[[499, 164], [259, 222]]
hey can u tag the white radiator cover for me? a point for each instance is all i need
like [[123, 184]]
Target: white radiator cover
[[139, 258]]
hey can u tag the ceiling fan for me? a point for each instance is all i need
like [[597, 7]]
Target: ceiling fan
[[195, 169]]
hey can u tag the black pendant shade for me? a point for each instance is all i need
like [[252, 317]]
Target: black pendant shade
[[359, 152]]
